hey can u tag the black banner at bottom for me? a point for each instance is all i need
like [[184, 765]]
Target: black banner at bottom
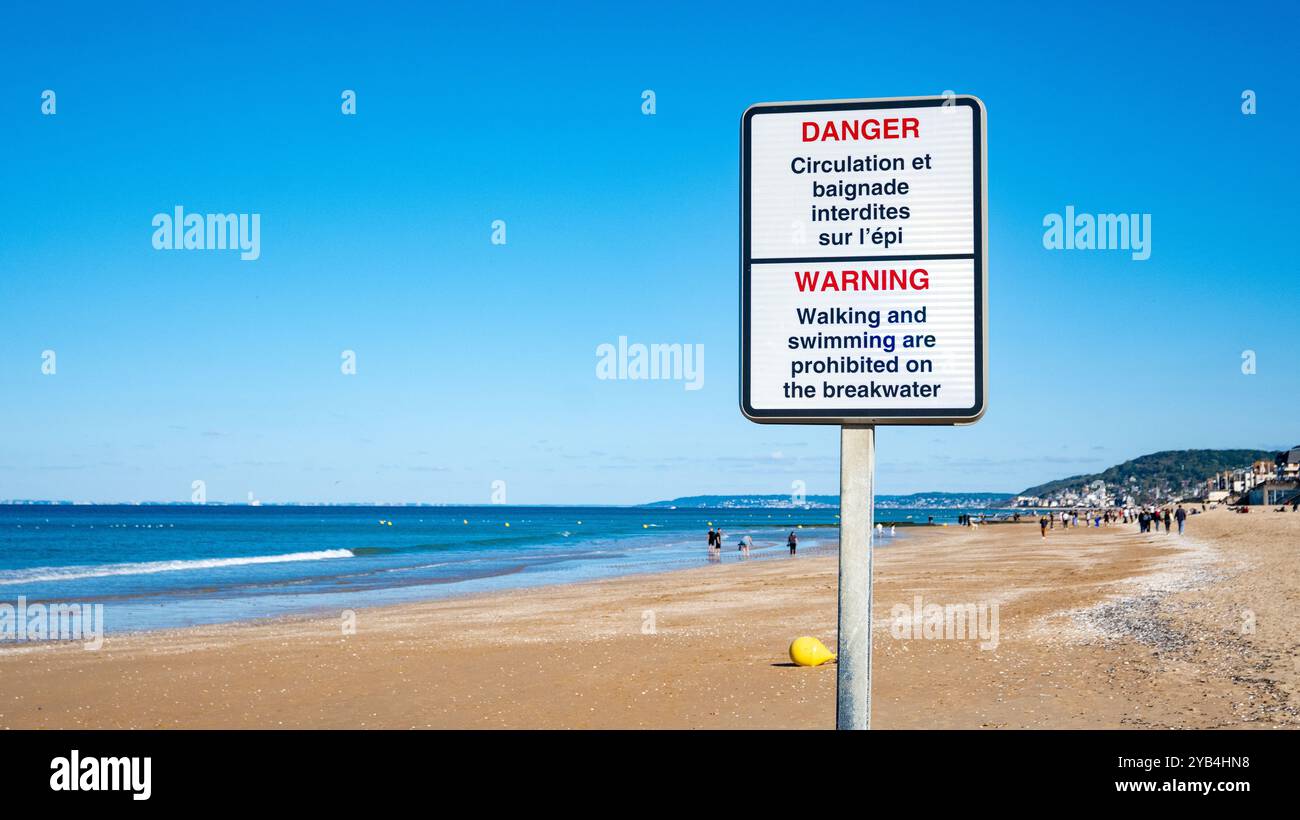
[[146, 769]]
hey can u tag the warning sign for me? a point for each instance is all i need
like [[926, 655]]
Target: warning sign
[[863, 261]]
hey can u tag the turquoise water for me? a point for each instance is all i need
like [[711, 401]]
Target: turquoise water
[[164, 566]]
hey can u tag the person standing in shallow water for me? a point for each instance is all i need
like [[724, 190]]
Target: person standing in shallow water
[[792, 542]]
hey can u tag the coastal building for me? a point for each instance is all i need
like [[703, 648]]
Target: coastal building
[[1273, 493], [1231, 481], [1287, 463], [1262, 471]]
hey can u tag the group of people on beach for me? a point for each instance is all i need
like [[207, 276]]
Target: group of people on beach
[[745, 544], [1148, 519]]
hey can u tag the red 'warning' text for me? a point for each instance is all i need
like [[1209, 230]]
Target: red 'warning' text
[[891, 279]]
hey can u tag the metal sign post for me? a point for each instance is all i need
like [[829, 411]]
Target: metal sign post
[[857, 475]]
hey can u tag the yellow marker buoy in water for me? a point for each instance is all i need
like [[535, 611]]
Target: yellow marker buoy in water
[[808, 651]]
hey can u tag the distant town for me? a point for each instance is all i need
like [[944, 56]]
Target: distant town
[[1235, 477], [927, 500]]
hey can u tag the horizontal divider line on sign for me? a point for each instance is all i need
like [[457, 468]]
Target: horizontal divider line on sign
[[920, 257]]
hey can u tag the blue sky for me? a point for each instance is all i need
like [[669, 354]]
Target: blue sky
[[476, 362]]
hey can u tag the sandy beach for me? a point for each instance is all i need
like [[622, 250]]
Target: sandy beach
[[1096, 628]]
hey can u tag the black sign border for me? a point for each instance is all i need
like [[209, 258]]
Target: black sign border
[[961, 415]]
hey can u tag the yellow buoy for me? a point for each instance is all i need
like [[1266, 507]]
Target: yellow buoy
[[507, 523], [464, 521], [808, 651]]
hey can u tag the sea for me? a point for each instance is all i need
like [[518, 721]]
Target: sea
[[158, 566]]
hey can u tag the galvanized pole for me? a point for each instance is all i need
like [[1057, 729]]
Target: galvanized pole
[[857, 507]]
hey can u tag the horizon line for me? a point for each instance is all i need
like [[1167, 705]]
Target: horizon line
[[50, 502]]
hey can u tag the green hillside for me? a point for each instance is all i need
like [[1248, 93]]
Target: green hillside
[[1170, 472]]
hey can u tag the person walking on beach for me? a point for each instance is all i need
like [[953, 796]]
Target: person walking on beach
[[1168, 528], [1181, 515], [792, 542], [1042, 525]]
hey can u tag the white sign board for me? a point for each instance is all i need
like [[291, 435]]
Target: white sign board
[[864, 262]]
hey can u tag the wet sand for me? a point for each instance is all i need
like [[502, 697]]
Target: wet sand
[[1096, 628]]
